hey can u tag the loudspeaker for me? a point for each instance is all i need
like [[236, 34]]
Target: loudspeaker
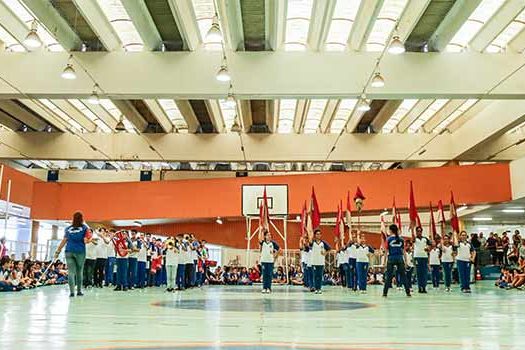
[[52, 175], [145, 175], [241, 173]]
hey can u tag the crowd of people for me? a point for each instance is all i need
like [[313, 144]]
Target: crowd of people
[[128, 259]]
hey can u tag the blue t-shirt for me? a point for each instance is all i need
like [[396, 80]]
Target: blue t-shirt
[[75, 238], [395, 248]]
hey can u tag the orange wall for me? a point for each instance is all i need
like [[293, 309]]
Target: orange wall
[[206, 198], [21, 186], [233, 233]]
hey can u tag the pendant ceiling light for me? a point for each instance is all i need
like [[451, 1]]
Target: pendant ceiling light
[[378, 81], [32, 40], [69, 72], [223, 75], [214, 33], [396, 46]]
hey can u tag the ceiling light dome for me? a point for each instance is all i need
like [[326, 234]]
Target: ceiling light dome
[[364, 106], [230, 101], [396, 46], [236, 127], [120, 126], [378, 81], [214, 33], [223, 75], [32, 40], [69, 72]]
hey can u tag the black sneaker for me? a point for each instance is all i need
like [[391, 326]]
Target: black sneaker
[[125, 289], [71, 295], [80, 294], [384, 295], [118, 289]]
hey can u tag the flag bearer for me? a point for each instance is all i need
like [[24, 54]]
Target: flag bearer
[[319, 250], [421, 248]]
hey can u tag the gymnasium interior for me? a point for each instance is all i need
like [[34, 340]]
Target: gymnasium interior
[[222, 158]]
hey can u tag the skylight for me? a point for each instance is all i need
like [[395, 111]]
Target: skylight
[[427, 114], [117, 114], [404, 108], [344, 111], [61, 114], [122, 24], [204, 13], [385, 24], [314, 115], [286, 116], [455, 115], [298, 17], [485, 10], [28, 18], [90, 115], [10, 43], [174, 114], [342, 21], [228, 113], [510, 32]]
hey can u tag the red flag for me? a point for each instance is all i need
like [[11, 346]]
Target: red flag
[[336, 228], [264, 217], [432, 228], [412, 210], [396, 215], [454, 221], [314, 211], [441, 212], [303, 220], [359, 198], [341, 223], [384, 235], [348, 211]]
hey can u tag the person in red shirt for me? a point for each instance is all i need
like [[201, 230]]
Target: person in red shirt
[[254, 275]]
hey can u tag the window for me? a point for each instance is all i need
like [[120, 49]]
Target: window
[[298, 17], [344, 111], [314, 115], [385, 24], [404, 108], [510, 32], [455, 115], [90, 115], [427, 114], [122, 24], [174, 115], [205, 12], [342, 21], [286, 116]]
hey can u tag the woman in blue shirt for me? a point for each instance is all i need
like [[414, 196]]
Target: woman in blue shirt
[[396, 254], [75, 238]]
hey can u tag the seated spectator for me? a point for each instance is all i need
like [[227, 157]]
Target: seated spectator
[[279, 276], [254, 275], [6, 266]]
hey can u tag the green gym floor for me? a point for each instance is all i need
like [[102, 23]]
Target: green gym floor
[[238, 318]]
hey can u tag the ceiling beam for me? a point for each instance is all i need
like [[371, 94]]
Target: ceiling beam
[[93, 14], [132, 114], [384, 114], [414, 113], [442, 114], [278, 75], [458, 14], [141, 18], [505, 147], [322, 14], [275, 23], [42, 111], [410, 17], [230, 17], [75, 114], [159, 115], [328, 115], [187, 112], [214, 111], [102, 114], [218, 147], [271, 115], [506, 13], [12, 24], [364, 22], [23, 115], [55, 23], [482, 127], [184, 15], [244, 110], [518, 43], [8, 121]]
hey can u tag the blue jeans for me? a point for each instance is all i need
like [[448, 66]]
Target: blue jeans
[[122, 272], [447, 272], [267, 273], [180, 276], [310, 276], [318, 276], [421, 272], [410, 271], [343, 272], [132, 269], [194, 273], [352, 276], [141, 274], [362, 274], [464, 274], [435, 275], [75, 266], [110, 266], [305, 277]]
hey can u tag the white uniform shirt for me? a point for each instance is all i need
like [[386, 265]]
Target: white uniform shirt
[[409, 259], [434, 257], [419, 247], [143, 253], [446, 255], [303, 257], [341, 258], [172, 258], [102, 249], [267, 251], [134, 245], [352, 251], [308, 257], [464, 249], [317, 249], [91, 251], [110, 250], [362, 254]]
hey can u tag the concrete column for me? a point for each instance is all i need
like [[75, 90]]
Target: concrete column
[[54, 232], [35, 226]]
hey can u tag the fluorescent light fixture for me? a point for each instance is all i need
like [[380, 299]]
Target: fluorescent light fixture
[[513, 211], [384, 213], [219, 220], [464, 207], [137, 223], [482, 228], [482, 218]]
